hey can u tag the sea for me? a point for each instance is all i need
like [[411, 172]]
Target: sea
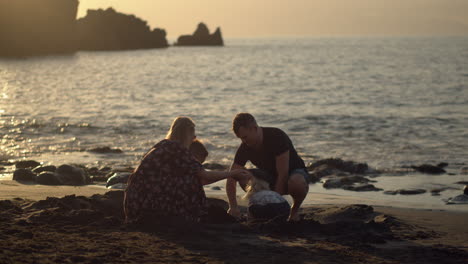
[[390, 102]]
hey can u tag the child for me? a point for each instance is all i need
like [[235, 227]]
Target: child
[[263, 202], [199, 151]]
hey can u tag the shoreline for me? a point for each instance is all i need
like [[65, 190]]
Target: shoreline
[[90, 229], [10, 189]]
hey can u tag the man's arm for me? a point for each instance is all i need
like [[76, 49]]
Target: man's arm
[[282, 169], [231, 192]]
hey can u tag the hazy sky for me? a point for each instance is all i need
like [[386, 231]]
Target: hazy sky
[[259, 18]]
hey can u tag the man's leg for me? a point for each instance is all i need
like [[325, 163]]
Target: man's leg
[[298, 189]]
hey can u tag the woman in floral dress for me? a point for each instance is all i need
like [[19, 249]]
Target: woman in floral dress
[[169, 180]]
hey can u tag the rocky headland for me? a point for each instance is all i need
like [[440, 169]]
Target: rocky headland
[[30, 27], [201, 37], [110, 30], [36, 28]]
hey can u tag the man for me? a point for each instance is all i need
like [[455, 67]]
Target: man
[[271, 150]]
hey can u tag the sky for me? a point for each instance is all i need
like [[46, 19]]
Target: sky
[[268, 18]]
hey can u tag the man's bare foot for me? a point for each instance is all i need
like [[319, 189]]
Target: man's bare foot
[[294, 218]]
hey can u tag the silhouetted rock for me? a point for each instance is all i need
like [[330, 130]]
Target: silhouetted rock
[[26, 164], [71, 175], [47, 178], [362, 188], [104, 150], [49, 168], [429, 169], [339, 164], [201, 37], [32, 27], [110, 30], [339, 182], [406, 191], [23, 175]]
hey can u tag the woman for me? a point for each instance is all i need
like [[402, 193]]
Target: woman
[[169, 180]]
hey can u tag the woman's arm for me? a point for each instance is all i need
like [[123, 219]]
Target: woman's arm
[[208, 177]]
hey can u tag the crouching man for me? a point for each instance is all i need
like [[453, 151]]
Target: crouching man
[[272, 151]]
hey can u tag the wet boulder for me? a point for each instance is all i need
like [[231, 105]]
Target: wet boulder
[[340, 182], [341, 165], [118, 177], [429, 169], [71, 175], [105, 150], [350, 183], [23, 164], [49, 168], [23, 174], [325, 170], [47, 178], [405, 191], [362, 188]]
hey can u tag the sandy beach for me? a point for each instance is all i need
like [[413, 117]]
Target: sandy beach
[[65, 224]]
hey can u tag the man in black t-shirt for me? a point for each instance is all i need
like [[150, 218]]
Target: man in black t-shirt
[[270, 150]]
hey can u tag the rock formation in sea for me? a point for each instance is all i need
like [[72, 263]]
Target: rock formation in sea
[[31, 27], [201, 37], [110, 30]]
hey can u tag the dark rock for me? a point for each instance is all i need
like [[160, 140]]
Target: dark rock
[[120, 177], [49, 168], [429, 169], [442, 165], [411, 191], [462, 182], [214, 166], [97, 178], [23, 175], [361, 188], [71, 175], [26, 164], [47, 178], [339, 164], [201, 37], [216, 188], [406, 191], [104, 150], [340, 182], [325, 170], [111, 30], [105, 169], [31, 27]]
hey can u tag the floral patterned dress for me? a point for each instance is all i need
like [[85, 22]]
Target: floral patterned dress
[[165, 184]]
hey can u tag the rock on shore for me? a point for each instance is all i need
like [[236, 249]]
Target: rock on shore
[[201, 37]]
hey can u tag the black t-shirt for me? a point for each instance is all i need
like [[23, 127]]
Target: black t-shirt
[[275, 142]]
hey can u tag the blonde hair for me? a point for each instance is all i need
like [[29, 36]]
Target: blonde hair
[[255, 185], [180, 130]]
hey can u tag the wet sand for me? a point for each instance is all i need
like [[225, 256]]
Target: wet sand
[[87, 227]]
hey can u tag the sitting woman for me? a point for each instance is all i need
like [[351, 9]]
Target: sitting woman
[[169, 180], [263, 202]]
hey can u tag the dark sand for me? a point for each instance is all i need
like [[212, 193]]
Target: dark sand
[[90, 229]]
